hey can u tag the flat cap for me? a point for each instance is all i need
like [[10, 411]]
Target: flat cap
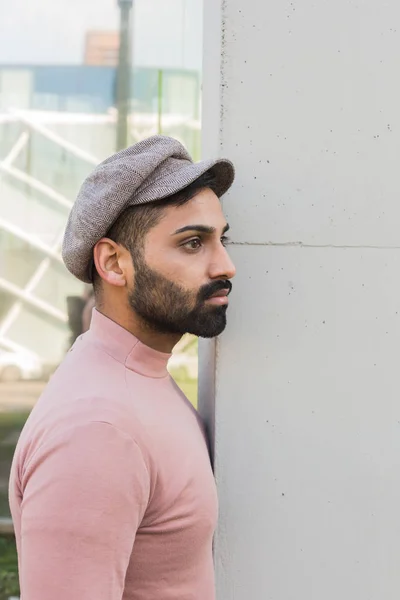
[[151, 170]]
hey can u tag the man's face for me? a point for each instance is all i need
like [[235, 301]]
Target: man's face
[[181, 280]]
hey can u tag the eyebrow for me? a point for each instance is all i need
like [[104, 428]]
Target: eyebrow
[[200, 229]]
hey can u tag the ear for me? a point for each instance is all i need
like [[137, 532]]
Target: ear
[[111, 262]]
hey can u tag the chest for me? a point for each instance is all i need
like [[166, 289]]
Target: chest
[[184, 491]]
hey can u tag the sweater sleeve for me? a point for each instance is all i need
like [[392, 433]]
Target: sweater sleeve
[[84, 495]]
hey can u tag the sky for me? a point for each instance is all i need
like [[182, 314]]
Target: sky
[[167, 33]]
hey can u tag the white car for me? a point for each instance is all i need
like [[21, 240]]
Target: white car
[[18, 366]]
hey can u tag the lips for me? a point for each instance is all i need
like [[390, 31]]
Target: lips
[[219, 297], [216, 292], [220, 293]]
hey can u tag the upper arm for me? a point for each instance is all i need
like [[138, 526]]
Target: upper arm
[[84, 496]]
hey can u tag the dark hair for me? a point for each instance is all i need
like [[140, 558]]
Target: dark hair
[[135, 222]]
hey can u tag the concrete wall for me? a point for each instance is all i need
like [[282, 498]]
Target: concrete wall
[[304, 97]]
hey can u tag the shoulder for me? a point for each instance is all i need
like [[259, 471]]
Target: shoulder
[[93, 422]]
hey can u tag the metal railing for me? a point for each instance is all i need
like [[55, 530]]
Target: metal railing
[[26, 294], [34, 123]]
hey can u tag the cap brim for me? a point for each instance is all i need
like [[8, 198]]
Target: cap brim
[[222, 169]]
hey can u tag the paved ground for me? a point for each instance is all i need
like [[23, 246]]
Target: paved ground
[[19, 396]]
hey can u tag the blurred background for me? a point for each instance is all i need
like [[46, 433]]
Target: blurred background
[[78, 81]]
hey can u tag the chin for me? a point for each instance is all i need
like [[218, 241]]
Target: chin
[[211, 329], [209, 336]]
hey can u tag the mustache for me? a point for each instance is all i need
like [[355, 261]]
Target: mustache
[[215, 286]]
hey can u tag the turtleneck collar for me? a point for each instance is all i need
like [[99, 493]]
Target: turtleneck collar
[[124, 347]]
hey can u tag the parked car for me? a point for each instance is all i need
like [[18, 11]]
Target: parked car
[[18, 366]]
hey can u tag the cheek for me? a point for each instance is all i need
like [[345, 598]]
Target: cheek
[[178, 267]]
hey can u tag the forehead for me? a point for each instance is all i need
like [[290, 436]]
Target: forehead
[[203, 209]]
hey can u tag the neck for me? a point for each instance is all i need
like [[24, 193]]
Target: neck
[[162, 342]]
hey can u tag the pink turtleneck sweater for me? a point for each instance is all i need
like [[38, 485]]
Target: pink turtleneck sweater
[[111, 490]]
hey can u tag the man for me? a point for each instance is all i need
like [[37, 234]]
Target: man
[[112, 492]]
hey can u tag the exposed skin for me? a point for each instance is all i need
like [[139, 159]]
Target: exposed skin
[[191, 259]]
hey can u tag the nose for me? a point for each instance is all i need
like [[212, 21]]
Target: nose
[[222, 266]]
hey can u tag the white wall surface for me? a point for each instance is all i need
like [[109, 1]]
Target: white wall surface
[[304, 97]]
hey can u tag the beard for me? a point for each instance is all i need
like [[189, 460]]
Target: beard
[[166, 307]]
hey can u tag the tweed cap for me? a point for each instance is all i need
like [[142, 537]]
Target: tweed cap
[[151, 170]]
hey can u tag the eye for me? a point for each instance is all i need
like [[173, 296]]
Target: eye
[[192, 245], [225, 240]]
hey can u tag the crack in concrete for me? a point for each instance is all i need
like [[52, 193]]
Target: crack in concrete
[[303, 245]]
